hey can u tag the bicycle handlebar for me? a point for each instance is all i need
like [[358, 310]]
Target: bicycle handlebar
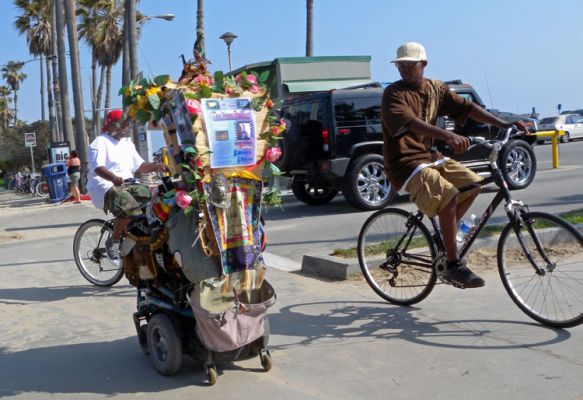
[[481, 141]]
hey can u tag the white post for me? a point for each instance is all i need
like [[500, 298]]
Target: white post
[[32, 158]]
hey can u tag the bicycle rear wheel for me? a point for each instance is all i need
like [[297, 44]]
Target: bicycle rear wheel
[[42, 189], [395, 253], [93, 259], [552, 296]]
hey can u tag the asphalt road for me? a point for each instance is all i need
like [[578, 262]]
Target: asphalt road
[[299, 229]]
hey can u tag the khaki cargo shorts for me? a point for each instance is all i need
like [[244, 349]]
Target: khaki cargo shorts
[[433, 188], [127, 200]]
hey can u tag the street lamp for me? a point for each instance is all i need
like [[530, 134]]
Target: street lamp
[[228, 37]]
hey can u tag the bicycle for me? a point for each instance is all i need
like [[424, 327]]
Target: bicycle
[[95, 256], [539, 255]]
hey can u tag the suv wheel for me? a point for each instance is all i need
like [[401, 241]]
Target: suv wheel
[[518, 164], [366, 186], [313, 193]]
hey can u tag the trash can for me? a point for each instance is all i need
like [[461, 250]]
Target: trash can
[[57, 179]]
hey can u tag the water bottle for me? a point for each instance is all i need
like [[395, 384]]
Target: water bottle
[[464, 227]]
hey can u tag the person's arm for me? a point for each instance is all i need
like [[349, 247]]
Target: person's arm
[[481, 115], [459, 143], [106, 174], [147, 167]]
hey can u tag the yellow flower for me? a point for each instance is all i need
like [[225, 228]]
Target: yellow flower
[[152, 90], [132, 110], [141, 101]]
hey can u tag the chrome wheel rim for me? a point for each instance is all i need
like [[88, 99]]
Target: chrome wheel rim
[[372, 183], [519, 165]]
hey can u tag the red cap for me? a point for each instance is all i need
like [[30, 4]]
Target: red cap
[[111, 117]]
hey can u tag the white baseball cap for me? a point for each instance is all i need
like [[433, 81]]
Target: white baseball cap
[[411, 51]]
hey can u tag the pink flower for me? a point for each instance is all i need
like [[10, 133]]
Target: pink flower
[[282, 125], [275, 130], [272, 154], [182, 199], [193, 106], [251, 79], [204, 80], [254, 88]]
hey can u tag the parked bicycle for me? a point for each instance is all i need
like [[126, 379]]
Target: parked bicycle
[[539, 255]]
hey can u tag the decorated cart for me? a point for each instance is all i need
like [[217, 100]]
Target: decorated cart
[[197, 258]]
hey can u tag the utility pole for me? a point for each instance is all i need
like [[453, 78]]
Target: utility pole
[[130, 29]]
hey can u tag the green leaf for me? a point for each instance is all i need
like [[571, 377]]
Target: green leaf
[[122, 90], [258, 103], [274, 170], [264, 76], [157, 115], [127, 101], [161, 80], [145, 83], [219, 76], [154, 101], [277, 137], [143, 116], [206, 91]]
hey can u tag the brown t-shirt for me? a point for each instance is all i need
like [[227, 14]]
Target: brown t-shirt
[[404, 150]]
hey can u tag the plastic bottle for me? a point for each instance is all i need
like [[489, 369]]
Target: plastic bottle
[[464, 227]]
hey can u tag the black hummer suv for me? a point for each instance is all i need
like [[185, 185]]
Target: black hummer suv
[[334, 142]]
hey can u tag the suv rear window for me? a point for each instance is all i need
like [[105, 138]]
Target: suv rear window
[[548, 120], [298, 115], [357, 112]]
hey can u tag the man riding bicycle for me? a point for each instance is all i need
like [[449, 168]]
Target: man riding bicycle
[[113, 159], [410, 108]]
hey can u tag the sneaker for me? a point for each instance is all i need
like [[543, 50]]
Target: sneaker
[[461, 276], [112, 249]]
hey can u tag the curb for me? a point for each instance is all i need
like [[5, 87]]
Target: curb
[[338, 268]]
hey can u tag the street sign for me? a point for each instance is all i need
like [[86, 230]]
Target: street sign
[[58, 152], [30, 139]]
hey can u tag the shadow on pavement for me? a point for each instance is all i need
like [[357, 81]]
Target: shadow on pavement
[[27, 228], [56, 293], [107, 368], [326, 323]]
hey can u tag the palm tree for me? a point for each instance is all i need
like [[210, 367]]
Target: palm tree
[[309, 27], [11, 73], [106, 38], [6, 114], [88, 12], [58, 20], [35, 21]]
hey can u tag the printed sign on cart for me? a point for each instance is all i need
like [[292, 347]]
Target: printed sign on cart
[[30, 139], [230, 128]]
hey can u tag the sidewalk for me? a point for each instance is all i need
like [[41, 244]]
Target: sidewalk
[[25, 217]]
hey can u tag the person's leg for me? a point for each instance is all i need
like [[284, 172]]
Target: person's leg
[[76, 193], [448, 222], [119, 227]]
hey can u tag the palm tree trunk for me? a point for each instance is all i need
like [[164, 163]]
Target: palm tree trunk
[[94, 112], [99, 96], [309, 27], [200, 24], [80, 132], [54, 133], [63, 81], [56, 91], [42, 89], [15, 107], [107, 90]]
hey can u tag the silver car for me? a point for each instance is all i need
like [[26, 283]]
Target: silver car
[[571, 124]]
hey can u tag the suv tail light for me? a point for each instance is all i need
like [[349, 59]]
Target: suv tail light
[[325, 140]]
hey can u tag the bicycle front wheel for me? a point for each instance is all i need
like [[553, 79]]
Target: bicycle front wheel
[[395, 253], [542, 269], [94, 261], [42, 189]]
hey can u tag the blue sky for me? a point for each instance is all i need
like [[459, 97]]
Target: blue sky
[[517, 53]]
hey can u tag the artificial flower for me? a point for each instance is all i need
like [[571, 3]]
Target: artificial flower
[[272, 154], [182, 199]]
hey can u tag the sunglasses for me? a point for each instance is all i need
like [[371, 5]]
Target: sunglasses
[[407, 64]]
